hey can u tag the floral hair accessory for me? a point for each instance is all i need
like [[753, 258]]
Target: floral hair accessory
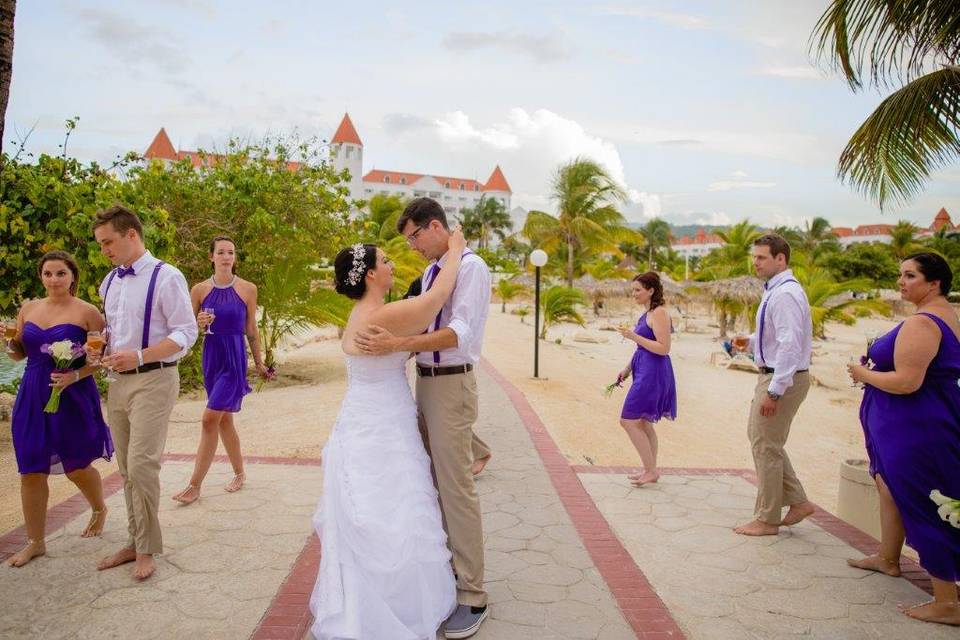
[[359, 266]]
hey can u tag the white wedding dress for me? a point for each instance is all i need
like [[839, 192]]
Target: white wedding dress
[[385, 568]]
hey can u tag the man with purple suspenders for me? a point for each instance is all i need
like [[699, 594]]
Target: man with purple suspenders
[[782, 348], [151, 326], [448, 352]]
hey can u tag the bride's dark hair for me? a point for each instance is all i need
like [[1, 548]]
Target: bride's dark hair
[[343, 264]]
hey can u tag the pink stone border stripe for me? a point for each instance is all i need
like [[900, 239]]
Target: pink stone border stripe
[[642, 608], [862, 542]]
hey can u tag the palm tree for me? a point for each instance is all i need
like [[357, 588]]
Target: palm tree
[[408, 265], [734, 257], [946, 243], [380, 222], [507, 290], [560, 305], [657, 234], [8, 9], [488, 217], [822, 292], [914, 131], [587, 219], [902, 239]]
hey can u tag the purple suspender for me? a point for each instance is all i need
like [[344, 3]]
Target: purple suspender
[[763, 312], [148, 311], [434, 272]]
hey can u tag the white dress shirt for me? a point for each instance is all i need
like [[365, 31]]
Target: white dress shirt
[[787, 331], [465, 312], [171, 315]]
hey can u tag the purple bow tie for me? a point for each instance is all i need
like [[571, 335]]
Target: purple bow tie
[[123, 272]]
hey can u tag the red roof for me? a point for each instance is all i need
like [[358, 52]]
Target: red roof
[[873, 230], [161, 147], [942, 220], [841, 232], [497, 182], [701, 237], [402, 177], [346, 132]]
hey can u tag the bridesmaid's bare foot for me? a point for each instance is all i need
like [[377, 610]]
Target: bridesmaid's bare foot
[[34, 549], [236, 483], [757, 528], [933, 611], [878, 564], [797, 513], [123, 556], [144, 567], [480, 463], [647, 477], [188, 496], [98, 518]]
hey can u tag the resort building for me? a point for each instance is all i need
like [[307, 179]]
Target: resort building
[[455, 194], [698, 245], [346, 152], [881, 232]]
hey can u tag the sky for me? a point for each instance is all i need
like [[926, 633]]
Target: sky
[[706, 111]]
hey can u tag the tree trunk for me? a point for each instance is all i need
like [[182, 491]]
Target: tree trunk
[[503, 307], [570, 263], [8, 9]]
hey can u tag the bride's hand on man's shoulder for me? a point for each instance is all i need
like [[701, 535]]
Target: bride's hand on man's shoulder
[[457, 242], [375, 341]]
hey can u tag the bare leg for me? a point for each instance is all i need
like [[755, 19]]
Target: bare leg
[[944, 609], [90, 485], [887, 558], [209, 437], [34, 494], [798, 512], [645, 448], [144, 567], [231, 442]]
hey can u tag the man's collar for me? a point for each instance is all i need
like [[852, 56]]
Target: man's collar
[[142, 262], [786, 274]]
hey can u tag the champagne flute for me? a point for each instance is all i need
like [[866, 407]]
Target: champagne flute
[[9, 333], [107, 350], [96, 343], [209, 311]]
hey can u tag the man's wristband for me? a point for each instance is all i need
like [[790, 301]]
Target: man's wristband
[[773, 396], [139, 358]]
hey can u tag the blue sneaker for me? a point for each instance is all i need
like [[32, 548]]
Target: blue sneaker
[[464, 621]]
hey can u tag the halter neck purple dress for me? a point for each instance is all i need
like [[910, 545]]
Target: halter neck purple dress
[[913, 441], [653, 390], [76, 434], [224, 354]]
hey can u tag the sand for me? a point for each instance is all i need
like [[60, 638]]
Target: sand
[[294, 418]]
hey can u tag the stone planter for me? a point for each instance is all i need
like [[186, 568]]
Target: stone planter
[[858, 502]]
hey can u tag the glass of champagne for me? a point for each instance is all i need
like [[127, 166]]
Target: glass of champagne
[[209, 311], [107, 350], [9, 333], [96, 343], [741, 342]]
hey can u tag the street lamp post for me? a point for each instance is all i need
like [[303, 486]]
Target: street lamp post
[[538, 258]]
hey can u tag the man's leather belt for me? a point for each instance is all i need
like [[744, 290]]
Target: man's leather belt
[[770, 370], [150, 366], [430, 372]]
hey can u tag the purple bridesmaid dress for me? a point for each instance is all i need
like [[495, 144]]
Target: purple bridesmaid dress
[[913, 441], [653, 392], [76, 434], [224, 354]]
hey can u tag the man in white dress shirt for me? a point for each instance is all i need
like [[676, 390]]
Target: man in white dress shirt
[[448, 353], [151, 326], [781, 347]]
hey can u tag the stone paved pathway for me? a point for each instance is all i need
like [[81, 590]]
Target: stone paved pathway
[[719, 585], [225, 558]]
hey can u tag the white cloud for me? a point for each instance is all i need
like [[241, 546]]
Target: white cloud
[[714, 218], [779, 145], [677, 19], [739, 173], [134, 42], [547, 48], [795, 72], [730, 185]]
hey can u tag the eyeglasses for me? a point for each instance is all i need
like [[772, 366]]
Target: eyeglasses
[[413, 236]]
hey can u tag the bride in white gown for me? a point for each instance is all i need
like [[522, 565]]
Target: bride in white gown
[[385, 569]]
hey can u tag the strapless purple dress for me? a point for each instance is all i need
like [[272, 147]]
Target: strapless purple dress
[[653, 391], [913, 441], [224, 354], [76, 434]]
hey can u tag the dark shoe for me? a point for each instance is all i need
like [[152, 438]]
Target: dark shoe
[[464, 621]]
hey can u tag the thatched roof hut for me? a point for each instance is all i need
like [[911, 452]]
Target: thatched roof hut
[[746, 289]]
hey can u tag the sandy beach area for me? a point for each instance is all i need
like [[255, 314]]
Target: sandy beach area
[[293, 418]]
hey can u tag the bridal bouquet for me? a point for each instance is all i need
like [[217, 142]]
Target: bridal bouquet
[[271, 375], [64, 354], [949, 508], [608, 390]]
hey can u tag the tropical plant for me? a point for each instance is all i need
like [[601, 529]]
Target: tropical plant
[[734, 257], [824, 294], [560, 305], [872, 261], [902, 241], [488, 218], [507, 290], [657, 234], [379, 223], [8, 9], [914, 45], [587, 220], [408, 265]]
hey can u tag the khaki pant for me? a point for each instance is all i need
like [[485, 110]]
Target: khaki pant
[[447, 410], [138, 409], [778, 483]]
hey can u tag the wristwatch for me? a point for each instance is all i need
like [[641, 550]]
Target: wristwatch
[[773, 396]]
